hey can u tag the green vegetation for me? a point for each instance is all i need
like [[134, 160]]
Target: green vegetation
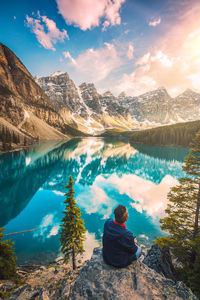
[[182, 219], [7, 259], [73, 230], [179, 134]]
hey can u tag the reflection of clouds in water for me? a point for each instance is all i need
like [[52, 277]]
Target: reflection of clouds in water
[[58, 193], [54, 231], [95, 200], [28, 160], [148, 196], [49, 226], [143, 236], [89, 244], [52, 183]]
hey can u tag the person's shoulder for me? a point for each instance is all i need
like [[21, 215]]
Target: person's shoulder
[[129, 234], [109, 221]]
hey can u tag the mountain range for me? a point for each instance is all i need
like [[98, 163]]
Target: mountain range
[[49, 107]]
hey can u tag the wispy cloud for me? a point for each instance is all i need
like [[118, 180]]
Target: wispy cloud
[[155, 22], [86, 14], [68, 55], [130, 51], [95, 65], [46, 31]]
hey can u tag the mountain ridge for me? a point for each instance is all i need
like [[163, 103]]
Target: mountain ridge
[[72, 109], [151, 109]]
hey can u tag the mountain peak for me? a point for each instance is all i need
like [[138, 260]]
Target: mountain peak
[[122, 95], [58, 73], [107, 94]]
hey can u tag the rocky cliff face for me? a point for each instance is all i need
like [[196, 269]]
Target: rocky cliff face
[[90, 109], [157, 107], [97, 280], [83, 106], [20, 94]]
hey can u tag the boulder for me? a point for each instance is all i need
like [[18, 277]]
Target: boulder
[[97, 280], [159, 259]]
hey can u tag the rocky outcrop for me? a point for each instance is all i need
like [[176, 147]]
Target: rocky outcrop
[[97, 280], [159, 259], [187, 105], [157, 107], [52, 282], [83, 107], [19, 93]]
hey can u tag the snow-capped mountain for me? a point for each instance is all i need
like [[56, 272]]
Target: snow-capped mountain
[[157, 107], [83, 106], [92, 112]]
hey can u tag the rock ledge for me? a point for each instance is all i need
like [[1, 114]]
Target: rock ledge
[[97, 280]]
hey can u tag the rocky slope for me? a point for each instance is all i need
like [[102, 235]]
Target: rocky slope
[[157, 107], [94, 113], [96, 280], [83, 107], [21, 97]]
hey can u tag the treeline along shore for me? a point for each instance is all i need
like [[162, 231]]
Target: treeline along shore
[[179, 134]]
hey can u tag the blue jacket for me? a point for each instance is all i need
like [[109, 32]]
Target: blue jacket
[[119, 247]]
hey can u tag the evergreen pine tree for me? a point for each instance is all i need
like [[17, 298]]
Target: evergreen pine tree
[[3, 137], [182, 219], [25, 141], [73, 230], [7, 259]]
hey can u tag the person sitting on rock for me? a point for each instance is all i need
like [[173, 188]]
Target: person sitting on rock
[[120, 247]]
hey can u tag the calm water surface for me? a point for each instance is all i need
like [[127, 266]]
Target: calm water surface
[[106, 173]]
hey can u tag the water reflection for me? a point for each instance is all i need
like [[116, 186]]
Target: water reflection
[[106, 172]]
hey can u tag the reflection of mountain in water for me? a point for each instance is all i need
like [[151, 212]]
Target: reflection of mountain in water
[[49, 164], [23, 173]]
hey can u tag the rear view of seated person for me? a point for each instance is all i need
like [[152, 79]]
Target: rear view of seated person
[[120, 247]]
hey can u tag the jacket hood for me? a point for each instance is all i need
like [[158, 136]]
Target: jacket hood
[[113, 231]]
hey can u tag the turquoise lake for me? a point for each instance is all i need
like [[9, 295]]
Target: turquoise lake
[[107, 172]]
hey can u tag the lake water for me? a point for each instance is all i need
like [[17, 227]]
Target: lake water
[[107, 172]]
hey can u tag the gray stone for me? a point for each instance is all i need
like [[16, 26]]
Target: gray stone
[[159, 259], [98, 280]]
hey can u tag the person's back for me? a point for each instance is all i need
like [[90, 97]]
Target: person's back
[[119, 245]]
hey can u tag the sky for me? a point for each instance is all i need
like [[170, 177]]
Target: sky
[[120, 45]]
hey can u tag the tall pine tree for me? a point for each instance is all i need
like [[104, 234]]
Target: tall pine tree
[[7, 259], [73, 230], [182, 219]]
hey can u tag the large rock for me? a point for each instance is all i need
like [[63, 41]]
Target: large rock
[[97, 280], [160, 260]]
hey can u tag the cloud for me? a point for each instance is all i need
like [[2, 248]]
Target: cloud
[[155, 22], [68, 55], [175, 71], [130, 51], [95, 65], [46, 31], [86, 14]]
